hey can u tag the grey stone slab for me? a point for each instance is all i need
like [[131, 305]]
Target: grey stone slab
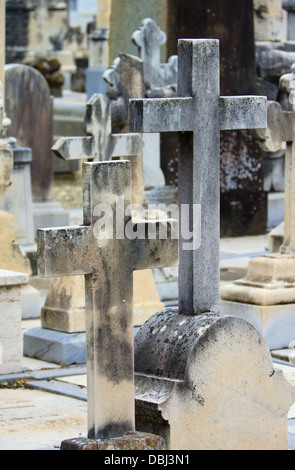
[[59, 388], [56, 347]]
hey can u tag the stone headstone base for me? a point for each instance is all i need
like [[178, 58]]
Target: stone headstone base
[[129, 441], [276, 323], [54, 346]]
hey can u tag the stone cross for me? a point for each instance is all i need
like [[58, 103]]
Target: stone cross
[[198, 115], [2, 47], [99, 144], [280, 129], [107, 254], [149, 38]]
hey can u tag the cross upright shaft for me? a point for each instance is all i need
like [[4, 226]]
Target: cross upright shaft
[[198, 115]]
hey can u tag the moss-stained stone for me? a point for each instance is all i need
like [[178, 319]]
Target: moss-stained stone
[[129, 441]]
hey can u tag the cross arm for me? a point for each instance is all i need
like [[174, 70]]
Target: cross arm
[[160, 115], [159, 248], [124, 145], [243, 112], [64, 251], [74, 148]]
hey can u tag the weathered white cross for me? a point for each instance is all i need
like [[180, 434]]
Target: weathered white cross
[[107, 248], [280, 129], [149, 38], [99, 144], [198, 115]]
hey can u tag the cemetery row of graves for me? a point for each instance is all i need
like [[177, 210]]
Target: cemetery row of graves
[[197, 374]]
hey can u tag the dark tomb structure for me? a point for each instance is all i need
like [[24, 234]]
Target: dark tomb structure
[[243, 199]]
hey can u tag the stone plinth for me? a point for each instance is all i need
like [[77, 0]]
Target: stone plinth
[[129, 441], [10, 321], [62, 338], [207, 382], [265, 298]]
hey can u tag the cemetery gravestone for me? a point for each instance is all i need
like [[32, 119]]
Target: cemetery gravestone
[[266, 296], [178, 352], [27, 89], [107, 264]]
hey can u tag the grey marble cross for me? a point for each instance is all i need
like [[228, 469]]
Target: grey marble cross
[[281, 129], [198, 115], [106, 249]]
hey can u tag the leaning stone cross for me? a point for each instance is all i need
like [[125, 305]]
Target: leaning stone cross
[[99, 144], [198, 115], [280, 129], [106, 249]]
